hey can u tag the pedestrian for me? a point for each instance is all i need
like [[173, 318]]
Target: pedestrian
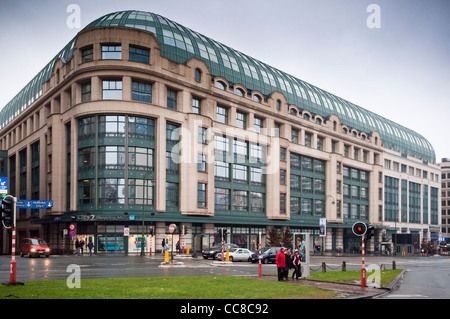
[[178, 247], [296, 264], [82, 246], [280, 260], [288, 263], [163, 243], [90, 246], [77, 247]]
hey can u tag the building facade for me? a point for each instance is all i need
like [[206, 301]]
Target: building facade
[[445, 193], [140, 122]]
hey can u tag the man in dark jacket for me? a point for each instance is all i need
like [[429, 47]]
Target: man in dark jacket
[[280, 260]]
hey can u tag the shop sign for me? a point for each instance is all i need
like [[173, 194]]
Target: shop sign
[[97, 218]]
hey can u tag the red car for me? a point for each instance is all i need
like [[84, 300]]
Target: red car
[[34, 247]]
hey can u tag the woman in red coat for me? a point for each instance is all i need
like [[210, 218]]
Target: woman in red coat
[[281, 263]]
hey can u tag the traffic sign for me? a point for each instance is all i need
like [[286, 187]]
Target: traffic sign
[[126, 231], [172, 228], [359, 228], [72, 233], [34, 204], [4, 185], [72, 227]]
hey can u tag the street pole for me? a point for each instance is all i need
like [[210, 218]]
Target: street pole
[[143, 213], [259, 265], [363, 269], [13, 265]]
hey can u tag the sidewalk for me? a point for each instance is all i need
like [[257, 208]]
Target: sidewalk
[[347, 291]]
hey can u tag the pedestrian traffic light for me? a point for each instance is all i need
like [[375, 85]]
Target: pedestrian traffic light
[[359, 228], [185, 230], [7, 211]]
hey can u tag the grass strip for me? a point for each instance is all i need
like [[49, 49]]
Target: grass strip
[[176, 287]]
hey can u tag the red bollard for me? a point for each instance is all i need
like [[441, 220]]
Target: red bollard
[[363, 277], [12, 273], [182, 250]]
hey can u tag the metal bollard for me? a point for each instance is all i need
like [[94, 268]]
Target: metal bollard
[[344, 266], [324, 267], [394, 266]]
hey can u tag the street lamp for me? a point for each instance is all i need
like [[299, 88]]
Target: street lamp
[[143, 216]]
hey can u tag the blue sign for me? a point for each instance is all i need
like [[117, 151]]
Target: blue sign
[[3, 185], [34, 204]]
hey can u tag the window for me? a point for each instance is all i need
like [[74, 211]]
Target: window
[[240, 173], [86, 92], [139, 195], [171, 194], [256, 176], [141, 127], [112, 90], [201, 195], [171, 99], [141, 91], [241, 120], [240, 200], [239, 92], [198, 75], [282, 177], [221, 171], [172, 133], [86, 189], [308, 139], [283, 154], [87, 54], [111, 52], [220, 85], [201, 163], [111, 126], [138, 54], [140, 158], [172, 161], [277, 129], [257, 98], [111, 157], [278, 105], [222, 114], [202, 137], [196, 106], [258, 124], [257, 202], [111, 191], [221, 199], [294, 136], [282, 203]]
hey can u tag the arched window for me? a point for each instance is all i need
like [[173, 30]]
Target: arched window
[[220, 85], [306, 116], [257, 98], [278, 105], [293, 111], [198, 75], [239, 92]]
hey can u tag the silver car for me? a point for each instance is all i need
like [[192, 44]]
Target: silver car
[[236, 254]]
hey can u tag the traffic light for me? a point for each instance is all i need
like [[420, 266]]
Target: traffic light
[[7, 211], [359, 228], [370, 232], [185, 230]]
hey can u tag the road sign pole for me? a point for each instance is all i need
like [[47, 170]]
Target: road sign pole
[[13, 265], [363, 269]]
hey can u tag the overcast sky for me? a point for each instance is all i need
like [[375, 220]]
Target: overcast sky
[[400, 70]]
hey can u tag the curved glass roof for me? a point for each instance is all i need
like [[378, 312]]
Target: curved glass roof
[[179, 44]]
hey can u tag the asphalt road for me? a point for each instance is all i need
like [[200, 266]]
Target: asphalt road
[[425, 277]]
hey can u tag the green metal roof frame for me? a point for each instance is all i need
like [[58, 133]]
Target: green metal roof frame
[[179, 44]]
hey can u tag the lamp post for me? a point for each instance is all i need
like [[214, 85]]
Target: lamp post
[[143, 216], [332, 203]]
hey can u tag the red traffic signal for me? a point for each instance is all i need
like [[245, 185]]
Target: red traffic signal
[[359, 228]]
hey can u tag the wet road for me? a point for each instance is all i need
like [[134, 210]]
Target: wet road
[[426, 277]]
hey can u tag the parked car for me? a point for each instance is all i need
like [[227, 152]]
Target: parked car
[[236, 254], [268, 254], [34, 247], [211, 252]]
